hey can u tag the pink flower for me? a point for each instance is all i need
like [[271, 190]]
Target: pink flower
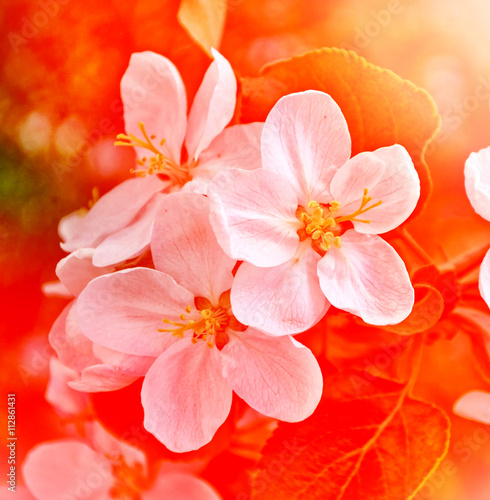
[[306, 223], [477, 183], [203, 352], [183, 150], [94, 367], [105, 469]]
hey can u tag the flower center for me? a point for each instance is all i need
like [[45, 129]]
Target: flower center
[[157, 163], [130, 482], [209, 323], [323, 227]]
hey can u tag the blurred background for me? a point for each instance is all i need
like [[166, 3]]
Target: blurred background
[[60, 110]]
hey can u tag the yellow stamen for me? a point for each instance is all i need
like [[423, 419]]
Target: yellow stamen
[[321, 225], [361, 210], [213, 321], [158, 163]]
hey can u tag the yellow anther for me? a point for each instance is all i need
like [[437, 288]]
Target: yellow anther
[[213, 321], [158, 163], [321, 225]]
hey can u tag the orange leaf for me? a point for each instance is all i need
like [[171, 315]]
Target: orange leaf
[[375, 443], [426, 312], [204, 20], [381, 108]]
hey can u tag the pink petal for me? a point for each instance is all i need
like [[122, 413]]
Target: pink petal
[[477, 181], [474, 405], [130, 241], [65, 400], [21, 493], [389, 175], [136, 366], [185, 396], [236, 147], [124, 310], [278, 377], [185, 247], [73, 348], [101, 378], [366, 277], [76, 270], [280, 300], [213, 106], [71, 226], [152, 92], [253, 216], [111, 213], [178, 486], [115, 370], [305, 141], [55, 289], [485, 279], [67, 469]]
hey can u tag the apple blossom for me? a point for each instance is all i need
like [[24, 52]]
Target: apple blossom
[[477, 184], [189, 151], [306, 224], [202, 351], [104, 468]]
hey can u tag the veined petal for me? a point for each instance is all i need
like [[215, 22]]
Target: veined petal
[[253, 216], [130, 241], [485, 279], [477, 181], [67, 469], [278, 377], [112, 212], [366, 277], [185, 247], [236, 147], [389, 176], [101, 378], [280, 300], [124, 310], [114, 371], [185, 396], [152, 92], [213, 106], [306, 140], [180, 486], [76, 270], [136, 366]]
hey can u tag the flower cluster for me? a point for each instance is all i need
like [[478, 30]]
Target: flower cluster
[[229, 239]]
